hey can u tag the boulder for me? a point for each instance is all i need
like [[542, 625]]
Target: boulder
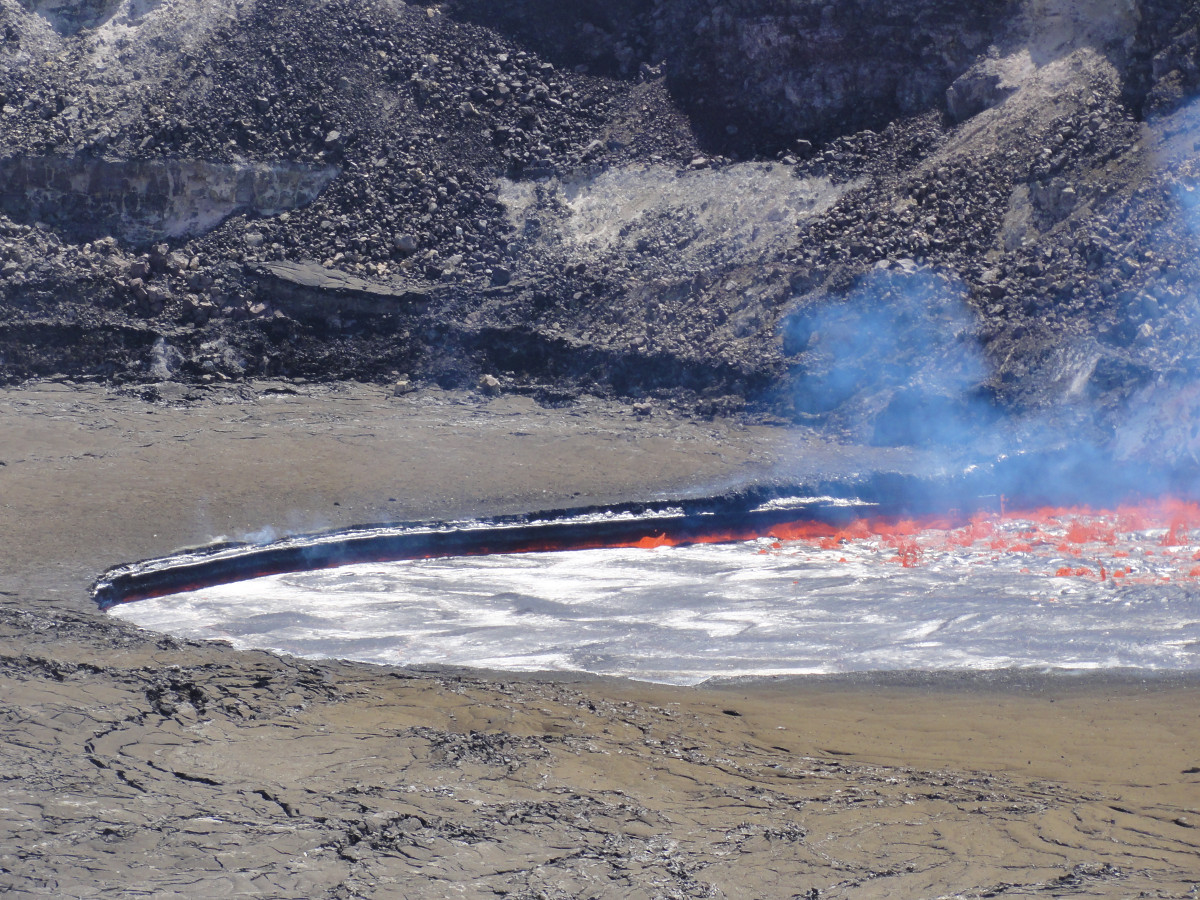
[[986, 84]]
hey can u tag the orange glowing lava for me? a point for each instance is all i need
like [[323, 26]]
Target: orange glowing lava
[[1151, 542]]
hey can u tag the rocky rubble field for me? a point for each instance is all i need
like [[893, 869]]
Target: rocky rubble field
[[660, 201]]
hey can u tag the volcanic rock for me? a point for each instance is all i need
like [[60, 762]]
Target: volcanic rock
[[985, 84], [621, 198]]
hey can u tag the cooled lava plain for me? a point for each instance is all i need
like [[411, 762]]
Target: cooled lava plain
[[280, 267]]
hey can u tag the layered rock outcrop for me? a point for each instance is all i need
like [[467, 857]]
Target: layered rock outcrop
[[142, 201]]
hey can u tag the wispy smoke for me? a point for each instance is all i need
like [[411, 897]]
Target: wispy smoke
[[898, 361], [264, 535]]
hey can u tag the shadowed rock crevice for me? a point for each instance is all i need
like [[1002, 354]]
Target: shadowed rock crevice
[[757, 75]]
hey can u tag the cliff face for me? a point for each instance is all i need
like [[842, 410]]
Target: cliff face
[[780, 71], [143, 201], [661, 199], [757, 75], [760, 74]]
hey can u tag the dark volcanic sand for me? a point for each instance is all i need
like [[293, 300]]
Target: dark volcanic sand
[[138, 765]]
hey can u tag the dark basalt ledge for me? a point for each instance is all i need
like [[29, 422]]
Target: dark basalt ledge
[[309, 291], [1035, 480], [738, 516]]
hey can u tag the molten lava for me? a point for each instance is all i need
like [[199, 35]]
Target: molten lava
[[1146, 543], [1143, 543], [1061, 588]]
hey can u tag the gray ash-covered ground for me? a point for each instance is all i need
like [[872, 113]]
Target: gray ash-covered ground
[[660, 200]]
